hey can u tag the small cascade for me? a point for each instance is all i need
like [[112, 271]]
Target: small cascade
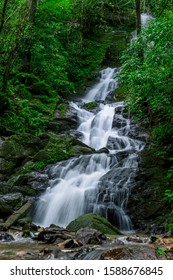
[[98, 183], [145, 18], [107, 83]]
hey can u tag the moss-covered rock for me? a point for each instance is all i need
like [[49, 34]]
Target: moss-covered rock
[[24, 221], [90, 105], [9, 203], [93, 221], [61, 147]]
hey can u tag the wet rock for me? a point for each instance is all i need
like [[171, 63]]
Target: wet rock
[[89, 236], [93, 221], [6, 237], [137, 239], [65, 118], [69, 244], [30, 184], [52, 235], [130, 252], [119, 122], [103, 150]]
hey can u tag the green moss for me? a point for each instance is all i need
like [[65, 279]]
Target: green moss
[[93, 221], [120, 94], [62, 109], [90, 105]]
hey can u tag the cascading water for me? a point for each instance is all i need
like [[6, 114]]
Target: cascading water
[[98, 183]]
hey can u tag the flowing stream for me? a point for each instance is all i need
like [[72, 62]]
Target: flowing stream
[[98, 183]]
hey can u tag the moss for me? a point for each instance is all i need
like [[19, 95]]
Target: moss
[[62, 109], [119, 94], [93, 221], [90, 105]]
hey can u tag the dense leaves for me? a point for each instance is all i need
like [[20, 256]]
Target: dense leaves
[[47, 50], [149, 80]]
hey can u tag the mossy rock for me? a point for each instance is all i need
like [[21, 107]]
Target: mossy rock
[[90, 105], [61, 147], [62, 109], [120, 94], [6, 166], [24, 221], [93, 221]]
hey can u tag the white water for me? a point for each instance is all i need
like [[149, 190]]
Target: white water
[[145, 19], [106, 84], [98, 183]]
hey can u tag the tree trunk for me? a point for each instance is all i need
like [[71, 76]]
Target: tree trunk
[[138, 16], [32, 13], [3, 15], [33, 9]]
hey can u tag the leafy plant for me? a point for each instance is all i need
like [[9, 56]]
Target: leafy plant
[[160, 251], [168, 196]]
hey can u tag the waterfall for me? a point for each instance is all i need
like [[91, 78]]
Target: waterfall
[[145, 18], [98, 183]]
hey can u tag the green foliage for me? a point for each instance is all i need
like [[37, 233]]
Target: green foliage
[[158, 7], [148, 80], [161, 251], [45, 57], [90, 105], [168, 196]]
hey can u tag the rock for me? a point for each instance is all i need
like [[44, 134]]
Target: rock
[[89, 236], [62, 147], [41, 156], [65, 119], [78, 150], [103, 150], [30, 184], [52, 235], [17, 214], [130, 252], [24, 221], [90, 105], [6, 237], [69, 244], [146, 205], [93, 221], [9, 203]]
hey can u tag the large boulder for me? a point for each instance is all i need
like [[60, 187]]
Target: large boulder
[[9, 203], [89, 236], [147, 207], [93, 221], [61, 147]]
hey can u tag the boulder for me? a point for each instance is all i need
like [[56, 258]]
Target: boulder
[[9, 203], [89, 236], [93, 221], [6, 237]]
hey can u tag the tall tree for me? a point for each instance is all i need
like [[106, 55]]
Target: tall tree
[[138, 16], [3, 15]]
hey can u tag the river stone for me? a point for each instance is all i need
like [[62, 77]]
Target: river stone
[[6, 237], [89, 236], [93, 221], [130, 252]]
